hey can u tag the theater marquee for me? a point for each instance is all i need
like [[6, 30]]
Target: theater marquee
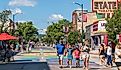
[[104, 6]]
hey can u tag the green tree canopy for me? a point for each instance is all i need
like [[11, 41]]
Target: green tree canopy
[[27, 30], [113, 25], [55, 31], [73, 37], [4, 17]]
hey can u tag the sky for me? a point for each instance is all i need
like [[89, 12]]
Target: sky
[[40, 12]]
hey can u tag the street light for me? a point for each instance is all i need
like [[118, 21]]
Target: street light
[[81, 5], [14, 14], [17, 11]]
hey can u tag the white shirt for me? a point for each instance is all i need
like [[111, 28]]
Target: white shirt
[[109, 51]]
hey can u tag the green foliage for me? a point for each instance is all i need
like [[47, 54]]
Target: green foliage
[[4, 17], [27, 31], [113, 25], [55, 31], [73, 37]]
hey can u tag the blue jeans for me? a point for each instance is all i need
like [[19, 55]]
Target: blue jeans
[[109, 59]]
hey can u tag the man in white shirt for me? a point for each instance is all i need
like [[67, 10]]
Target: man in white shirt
[[109, 56]]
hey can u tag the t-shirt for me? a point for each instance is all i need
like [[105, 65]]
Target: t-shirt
[[109, 51], [70, 51], [60, 48], [86, 49], [77, 53]]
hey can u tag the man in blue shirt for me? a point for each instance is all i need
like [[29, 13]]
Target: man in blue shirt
[[60, 51]]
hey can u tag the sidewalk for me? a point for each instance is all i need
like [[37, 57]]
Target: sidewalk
[[94, 54], [53, 61]]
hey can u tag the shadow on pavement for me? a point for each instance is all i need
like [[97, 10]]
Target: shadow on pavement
[[25, 66], [118, 64], [73, 67], [94, 68]]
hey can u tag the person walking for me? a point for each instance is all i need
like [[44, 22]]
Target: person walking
[[30, 46], [60, 52], [12, 51], [70, 50], [77, 56], [109, 56], [101, 54], [86, 56]]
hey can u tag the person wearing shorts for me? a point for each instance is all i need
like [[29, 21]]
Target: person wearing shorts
[[77, 56], [86, 56], [69, 55], [60, 52]]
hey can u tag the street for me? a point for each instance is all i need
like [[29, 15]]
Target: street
[[34, 61]]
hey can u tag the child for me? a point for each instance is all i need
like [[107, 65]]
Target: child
[[69, 55], [77, 56]]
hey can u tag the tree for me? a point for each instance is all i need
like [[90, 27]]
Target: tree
[[73, 37], [55, 31], [27, 31], [4, 17], [113, 25]]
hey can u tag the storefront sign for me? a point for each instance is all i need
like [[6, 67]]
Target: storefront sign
[[104, 6], [101, 25]]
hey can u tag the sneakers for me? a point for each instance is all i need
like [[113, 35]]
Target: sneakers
[[61, 66], [70, 66]]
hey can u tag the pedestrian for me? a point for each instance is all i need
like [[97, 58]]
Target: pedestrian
[[105, 51], [30, 46], [12, 51], [17, 47], [118, 51], [70, 50], [86, 56], [101, 54], [60, 52], [109, 56], [21, 47], [77, 56]]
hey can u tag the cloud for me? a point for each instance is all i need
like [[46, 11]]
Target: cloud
[[56, 17], [22, 3]]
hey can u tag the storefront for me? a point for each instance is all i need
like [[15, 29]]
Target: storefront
[[98, 33]]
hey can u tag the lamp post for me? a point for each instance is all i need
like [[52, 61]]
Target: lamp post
[[15, 12], [81, 5]]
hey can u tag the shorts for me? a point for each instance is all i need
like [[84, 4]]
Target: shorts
[[102, 56], [70, 57], [78, 59], [60, 56], [85, 56]]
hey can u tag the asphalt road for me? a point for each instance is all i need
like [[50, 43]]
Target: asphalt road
[[25, 66]]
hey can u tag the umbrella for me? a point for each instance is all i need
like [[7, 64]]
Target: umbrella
[[5, 36]]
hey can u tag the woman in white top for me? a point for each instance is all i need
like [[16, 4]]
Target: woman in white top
[[118, 51], [109, 56], [85, 56]]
